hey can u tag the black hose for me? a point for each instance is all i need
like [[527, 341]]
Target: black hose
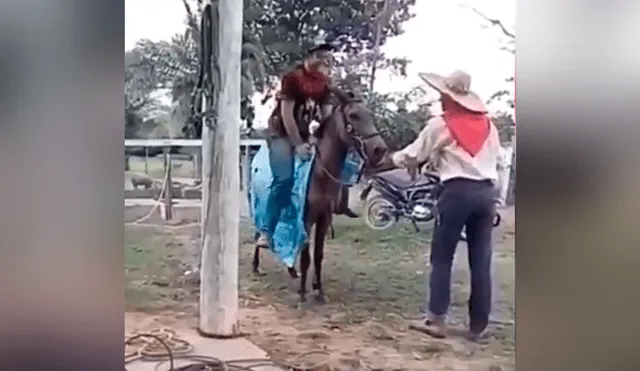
[[159, 339], [204, 82], [206, 363], [203, 363]]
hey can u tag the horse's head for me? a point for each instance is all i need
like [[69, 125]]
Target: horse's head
[[355, 126]]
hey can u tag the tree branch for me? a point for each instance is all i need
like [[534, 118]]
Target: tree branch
[[495, 22], [192, 24]]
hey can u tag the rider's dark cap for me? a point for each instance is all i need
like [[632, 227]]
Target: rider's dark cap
[[322, 47]]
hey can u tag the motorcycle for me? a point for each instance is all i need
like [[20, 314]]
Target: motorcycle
[[400, 196]]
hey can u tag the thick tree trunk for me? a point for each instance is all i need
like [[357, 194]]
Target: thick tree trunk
[[219, 269]]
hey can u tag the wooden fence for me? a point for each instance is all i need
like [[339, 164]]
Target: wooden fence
[[248, 147]]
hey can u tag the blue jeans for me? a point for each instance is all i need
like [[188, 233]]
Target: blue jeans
[[463, 204], [281, 162]]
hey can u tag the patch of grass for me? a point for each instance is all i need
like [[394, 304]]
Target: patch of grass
[[149, 271], [374, 281], [384, 269], [366, 273]]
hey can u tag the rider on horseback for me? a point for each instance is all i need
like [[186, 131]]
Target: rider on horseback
[[306, 83]]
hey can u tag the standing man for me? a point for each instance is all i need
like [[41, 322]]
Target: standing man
[[288, 131], [465, 146]]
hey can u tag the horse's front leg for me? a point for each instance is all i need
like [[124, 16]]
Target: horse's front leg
[[322, 225], [305, 262], [256, 261], [256, 258]]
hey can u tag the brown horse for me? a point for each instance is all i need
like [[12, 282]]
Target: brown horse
[[350, 125]]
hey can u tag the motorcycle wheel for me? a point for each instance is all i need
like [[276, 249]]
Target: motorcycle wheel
[[379, 213]]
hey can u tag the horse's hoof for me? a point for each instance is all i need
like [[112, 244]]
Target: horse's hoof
[[350, 214], [321, 297], [258, 272], [303, 304], [303, 295], [293, 273]]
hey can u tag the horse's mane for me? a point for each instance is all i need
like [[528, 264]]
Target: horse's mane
[[338, 98]]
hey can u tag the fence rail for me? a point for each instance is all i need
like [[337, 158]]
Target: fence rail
[[183, 142], [248, 146]]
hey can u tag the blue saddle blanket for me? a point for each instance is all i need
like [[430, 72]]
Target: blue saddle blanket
[[290, 233]]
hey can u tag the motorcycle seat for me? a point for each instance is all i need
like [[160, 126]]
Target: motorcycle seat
[[401, 179]]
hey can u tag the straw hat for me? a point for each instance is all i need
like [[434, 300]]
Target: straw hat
[[457, 87]]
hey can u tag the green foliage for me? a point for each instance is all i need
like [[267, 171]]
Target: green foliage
[[507, 97], [505, 125], [139, 82], [276, 35], [510, 47], [175, 64], [287, 28], [398, 127], [132, 122]]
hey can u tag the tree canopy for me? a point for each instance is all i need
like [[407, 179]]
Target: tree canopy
[[276, 35]]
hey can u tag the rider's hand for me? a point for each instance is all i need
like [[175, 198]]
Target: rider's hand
[[304, 151]]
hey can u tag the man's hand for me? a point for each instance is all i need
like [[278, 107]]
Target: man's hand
[[404, 161], [304, 151]]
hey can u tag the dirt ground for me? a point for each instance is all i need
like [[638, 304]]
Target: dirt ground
[[375, 281]]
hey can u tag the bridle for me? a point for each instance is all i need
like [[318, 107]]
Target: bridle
[[356, 140]]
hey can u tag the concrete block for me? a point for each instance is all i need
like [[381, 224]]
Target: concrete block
[[142, 193], [192, 193]]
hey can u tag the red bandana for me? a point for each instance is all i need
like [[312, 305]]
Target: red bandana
[[310, 83], [468, 129]]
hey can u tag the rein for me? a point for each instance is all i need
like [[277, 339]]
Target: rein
[[359, 146]]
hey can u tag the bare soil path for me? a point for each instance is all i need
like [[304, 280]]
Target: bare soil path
[[375, 282]]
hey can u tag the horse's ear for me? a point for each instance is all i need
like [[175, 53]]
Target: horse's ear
[[341, 95]]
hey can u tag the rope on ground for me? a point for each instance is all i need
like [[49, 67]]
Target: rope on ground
[[164, 346]]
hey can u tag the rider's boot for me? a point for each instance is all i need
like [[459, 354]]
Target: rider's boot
[[343, 204]]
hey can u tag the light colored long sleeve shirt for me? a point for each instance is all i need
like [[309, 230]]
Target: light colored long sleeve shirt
[[434, 143]]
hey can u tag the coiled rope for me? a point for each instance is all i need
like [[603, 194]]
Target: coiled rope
[[164, 346]]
